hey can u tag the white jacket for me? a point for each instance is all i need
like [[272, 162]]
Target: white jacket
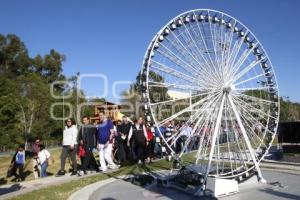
[[70, 136], [43, 156]]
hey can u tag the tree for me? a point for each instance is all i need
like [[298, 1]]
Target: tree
[[132, 105], [25, 91]]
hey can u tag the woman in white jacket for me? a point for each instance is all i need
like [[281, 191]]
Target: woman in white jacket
[[69, 146]]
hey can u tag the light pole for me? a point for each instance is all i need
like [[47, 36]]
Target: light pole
[[77, 97]]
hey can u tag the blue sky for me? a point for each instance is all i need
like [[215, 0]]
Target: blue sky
[[111, 37]]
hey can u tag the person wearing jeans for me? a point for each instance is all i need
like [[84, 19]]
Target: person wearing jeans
[[18, 162], [69, 147], [105, 131], [43, 157]]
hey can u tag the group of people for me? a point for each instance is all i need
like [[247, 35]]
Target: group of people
[[40, 161], [118, 143]]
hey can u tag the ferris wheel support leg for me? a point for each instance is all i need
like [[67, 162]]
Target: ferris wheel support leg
[[215, 134], [249, 146]]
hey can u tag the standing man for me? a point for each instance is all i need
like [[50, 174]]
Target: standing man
[[69, 147], [105, 132], [124, 130], [88, 138]]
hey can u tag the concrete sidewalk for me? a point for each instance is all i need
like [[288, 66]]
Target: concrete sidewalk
[[18, 188], [10, 190]]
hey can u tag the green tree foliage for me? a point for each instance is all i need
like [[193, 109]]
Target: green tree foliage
[[289, 111], [131, 100], [25, 91]]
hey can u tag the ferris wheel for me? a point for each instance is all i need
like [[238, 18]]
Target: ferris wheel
[[207, 70]]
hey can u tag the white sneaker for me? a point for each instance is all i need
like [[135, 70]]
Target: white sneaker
[[80, 173], [103, 169], [113, 167]]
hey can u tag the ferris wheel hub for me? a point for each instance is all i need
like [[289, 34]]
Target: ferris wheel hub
[[227, 90]]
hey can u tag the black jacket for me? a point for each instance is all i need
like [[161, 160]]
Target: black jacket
[[88, 134], [124, 128]]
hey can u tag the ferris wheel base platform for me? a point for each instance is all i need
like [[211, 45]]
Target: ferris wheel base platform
[[193, 183], [218, 187]]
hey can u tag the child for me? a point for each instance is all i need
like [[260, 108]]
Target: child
[[18, 161], [43, 156]]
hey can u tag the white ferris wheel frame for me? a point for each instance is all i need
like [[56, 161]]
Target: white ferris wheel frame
[[145, 95]]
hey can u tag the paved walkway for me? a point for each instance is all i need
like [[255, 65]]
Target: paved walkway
[[280, 186], [9, 190]]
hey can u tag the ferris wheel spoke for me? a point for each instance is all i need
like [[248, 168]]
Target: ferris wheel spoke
[[214, 137], [184, 57], [249, 79], [176, 86], [173, 85], [248, 106], [227, 136], [242, 59], [189, 121], [201, 141], [235, 140], [252, 132], [197, 124], [235, 51], [253, 98], [224, 45], [248, 118], [238, 149], [183, 46], [206, 74], [205, 134], [220, 41], [171, 56], [230, 57], [200, 112], [255, 88], [183, 98], [207, 50], [184, 65], [199, 52], [246, 69], [214, 48], [172, 71], [246, 110], [254, 120], [187, 109], [245, 136], [227, 55]]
